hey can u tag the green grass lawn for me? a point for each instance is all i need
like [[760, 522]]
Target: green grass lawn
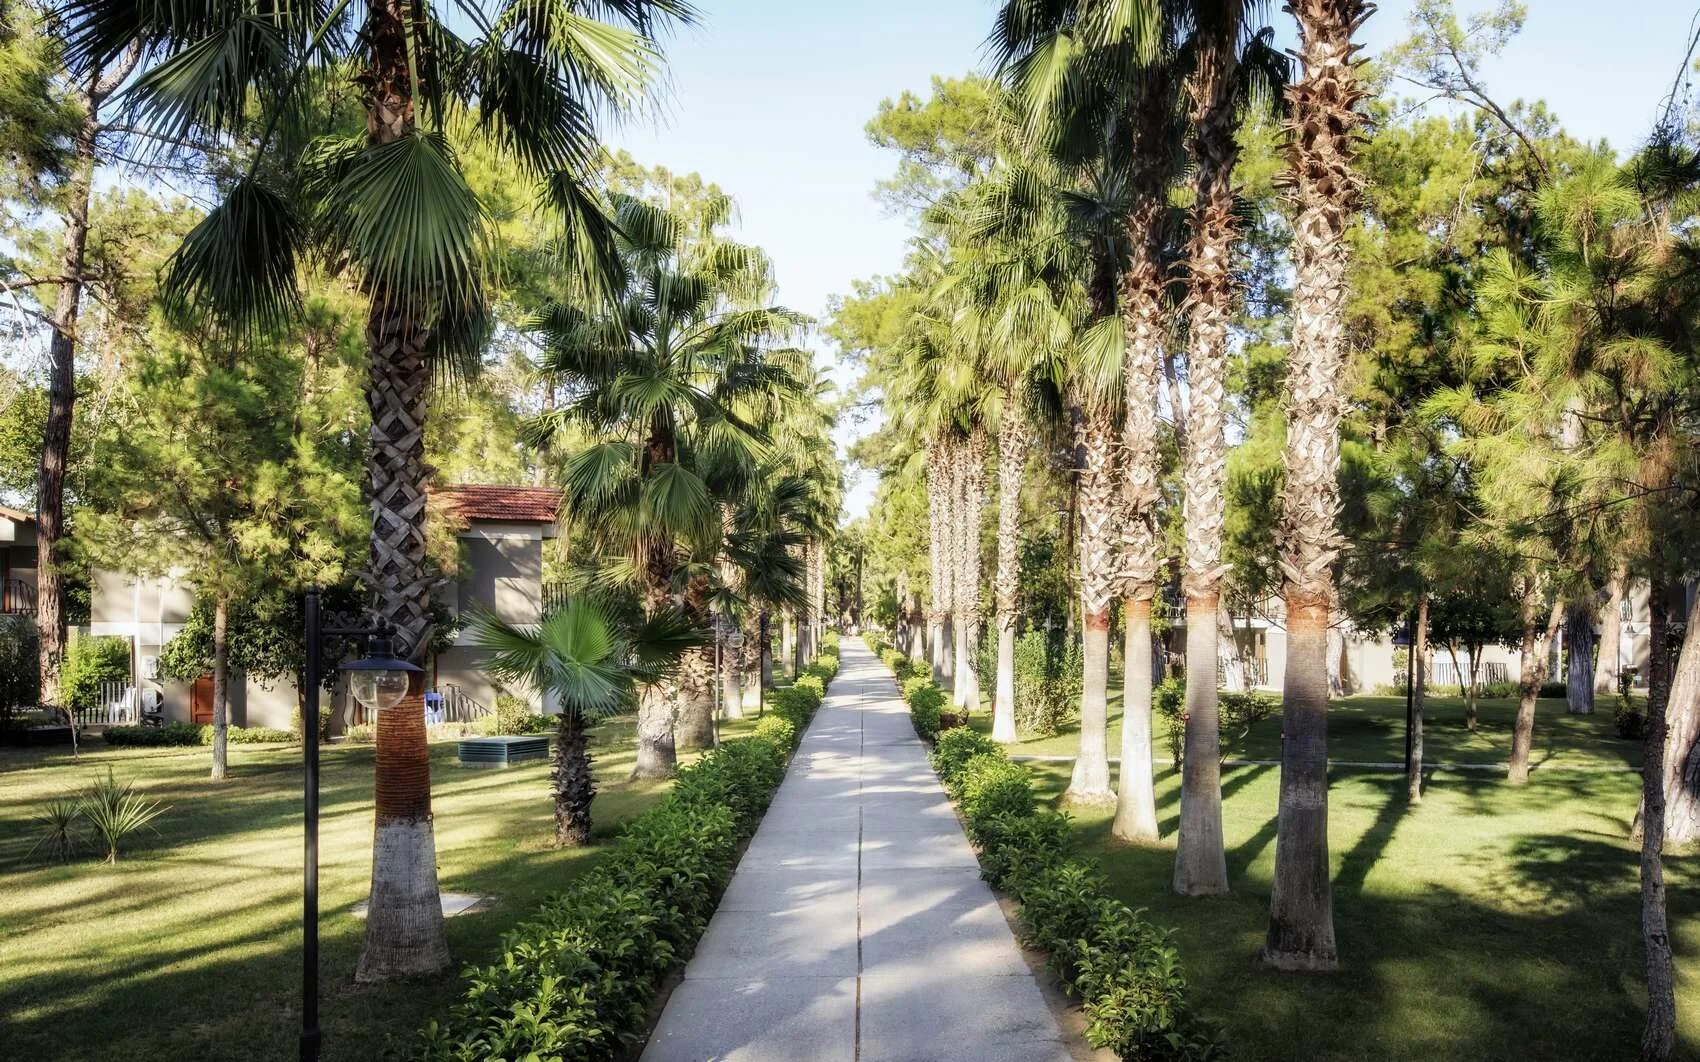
[[1371, 728], [1490, 922], [190, 946]]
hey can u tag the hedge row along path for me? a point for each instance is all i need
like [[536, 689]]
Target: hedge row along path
[[857, 927]]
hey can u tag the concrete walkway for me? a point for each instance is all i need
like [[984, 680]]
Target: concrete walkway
[[857, 927]]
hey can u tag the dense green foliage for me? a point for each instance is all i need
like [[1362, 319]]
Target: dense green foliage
[[90, 663], [20, 681]]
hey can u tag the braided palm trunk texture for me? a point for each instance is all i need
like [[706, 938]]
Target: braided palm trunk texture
[[1325, 191], [1100, 509], [1013, 437], [1142, 317]]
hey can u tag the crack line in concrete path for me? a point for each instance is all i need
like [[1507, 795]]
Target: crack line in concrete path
[[861, 830]]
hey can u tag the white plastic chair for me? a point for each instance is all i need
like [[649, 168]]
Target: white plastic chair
[[123, 709]]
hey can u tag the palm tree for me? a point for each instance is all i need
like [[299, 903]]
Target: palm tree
[[389, 204], [1153, 137], [1231, 66], [657, 378], [594, 660], [965, 525], [1325, 192]]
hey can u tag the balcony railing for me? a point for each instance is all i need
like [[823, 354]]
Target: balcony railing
[[17, 598], [447, 703]]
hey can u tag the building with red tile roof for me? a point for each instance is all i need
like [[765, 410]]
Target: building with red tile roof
[[496, 502]]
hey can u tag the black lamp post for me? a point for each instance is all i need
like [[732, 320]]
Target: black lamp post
[[378, 681]]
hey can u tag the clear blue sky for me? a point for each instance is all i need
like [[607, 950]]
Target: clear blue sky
[[768, 99]]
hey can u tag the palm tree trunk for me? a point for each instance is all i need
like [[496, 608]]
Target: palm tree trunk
[[1419, 672], [1090, 783], [1012, 457], [574, 786], [749, 661], [694, 726], [1325, 190], [221, 687], [1144, 325], [764, 645], [788, 643], [657, 755], [950, 545], [1201, 867], [732, 683], [973, 503], [1611, 634], [1136, 801], [404, 923]]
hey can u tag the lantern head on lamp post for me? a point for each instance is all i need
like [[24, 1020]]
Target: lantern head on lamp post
[[379, 681]]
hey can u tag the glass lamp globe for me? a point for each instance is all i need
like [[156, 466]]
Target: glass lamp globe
[[380, 681], [378, 690]]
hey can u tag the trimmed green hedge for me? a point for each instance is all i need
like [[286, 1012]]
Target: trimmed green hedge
[[1125, 972], [577, 980], [926, 705], [188, 734]]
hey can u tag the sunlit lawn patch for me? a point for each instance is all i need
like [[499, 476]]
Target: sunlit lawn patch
[[190, 947]]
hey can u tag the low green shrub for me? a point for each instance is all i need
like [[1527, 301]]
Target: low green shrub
[[1627, 715], [152, 736], [514, 716], [361, 734], [926, 705], [577, 980], [1125, 972], [252, 735], [190, 734], [989, 784], [829, 643], [985, 662], [1238, 712], [1037, 710], [1554, 690], [795, 704], [1015, 847], [812, 682], [954, 748], [1168, 702], [777, 729], [324, 722]]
